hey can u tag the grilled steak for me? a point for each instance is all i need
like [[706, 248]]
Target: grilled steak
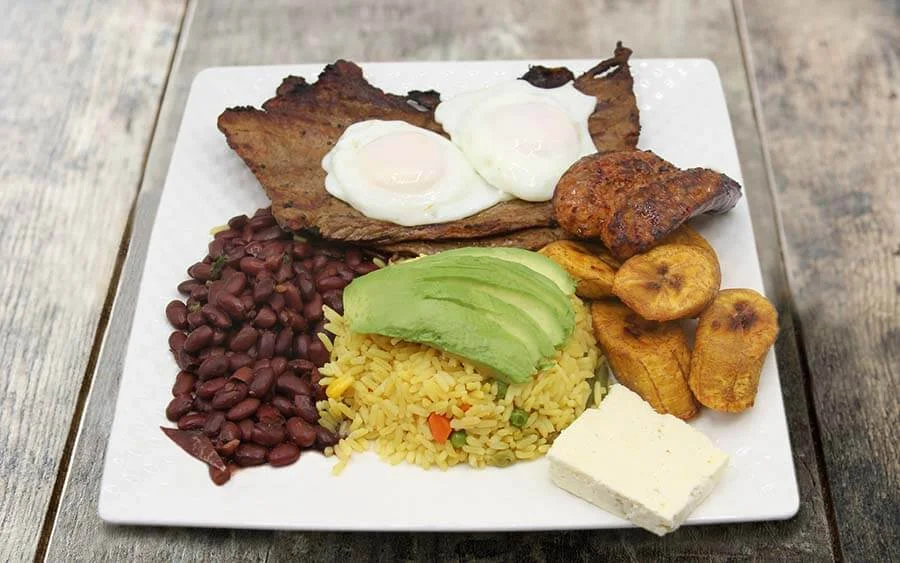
[[284, 142], [632, 199], [529, 239]]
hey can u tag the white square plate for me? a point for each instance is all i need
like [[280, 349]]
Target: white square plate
[[147, 479]]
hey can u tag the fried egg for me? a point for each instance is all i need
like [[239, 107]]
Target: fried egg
[[397, 172], [520, 138]]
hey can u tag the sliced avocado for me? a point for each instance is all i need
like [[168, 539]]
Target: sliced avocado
[[537, 262], [506, 278], [496, 313], [446, 325], [476, 297]]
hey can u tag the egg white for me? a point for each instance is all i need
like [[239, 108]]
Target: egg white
[[397, 172], [518, 137]]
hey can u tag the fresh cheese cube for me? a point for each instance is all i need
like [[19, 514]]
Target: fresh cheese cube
[[629, 460]]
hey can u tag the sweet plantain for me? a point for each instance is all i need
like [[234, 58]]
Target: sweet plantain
[[652, 359], [733, 337], [669, 282], [591, 265], [686, 235]]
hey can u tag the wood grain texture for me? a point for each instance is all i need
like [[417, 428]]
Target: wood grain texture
[[236, 32], [827, 74], [78, 98]]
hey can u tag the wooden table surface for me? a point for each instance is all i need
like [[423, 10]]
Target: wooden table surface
[[91, 96]]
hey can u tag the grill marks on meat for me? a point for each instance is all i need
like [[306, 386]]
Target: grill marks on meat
[[284, 143], [630, 200]]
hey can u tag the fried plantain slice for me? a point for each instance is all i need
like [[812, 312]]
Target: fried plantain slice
[[652, 359], [687, 235], [733, 337], [592, 266], [674, 281]]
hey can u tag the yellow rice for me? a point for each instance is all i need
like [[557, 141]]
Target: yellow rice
[[381, 391]]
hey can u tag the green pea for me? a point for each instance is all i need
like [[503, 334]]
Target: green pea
[[518, 418], [458, 438], [502, 386]]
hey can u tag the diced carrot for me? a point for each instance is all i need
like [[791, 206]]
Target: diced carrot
[[440, 427], [465, 407]]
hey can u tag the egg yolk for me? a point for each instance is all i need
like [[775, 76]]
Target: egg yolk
[[403, 162], [534, 129]]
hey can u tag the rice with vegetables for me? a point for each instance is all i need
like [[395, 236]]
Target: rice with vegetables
[[414, 403]]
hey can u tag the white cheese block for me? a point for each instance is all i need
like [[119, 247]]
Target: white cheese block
[[640, 465]]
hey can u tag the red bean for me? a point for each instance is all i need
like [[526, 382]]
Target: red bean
[[365, 268], [301, 249], [335, 300], [325, 437], [251, 266], [353, 257], [195, 319], [313, 308], [301, 345], [268, 414], [263, 379], [185, 361], [200, 271], [193, 421], [216, 316], [198, 339], [276, 301], [284, 405], [202, 405], [176, 340], [238, 221], [229, 431], [229, 395], [290, 385], [243, 410], [278, 364], [214, 421], [302, 366], [331, 282], [232, 305], [265, 318], [262, 289], [283, 454], [319, 262], [266, 344], [247, 455], [245, 375], [226, 449], [176, 313], [269, 233], [234, 256], [318, 355], [187, 286], [219, 476], [244, 339], [237, 361], [178, 407], [213, 366], [184, 383], [216, 288], [210, 387], [306, 285], [267, 435], [291, 295], [305, 408], [219, 337], [246, 427], [301, 432], [285, 272], [261, 222], [215, 247]]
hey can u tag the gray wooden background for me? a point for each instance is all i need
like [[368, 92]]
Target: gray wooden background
[[91, 95]]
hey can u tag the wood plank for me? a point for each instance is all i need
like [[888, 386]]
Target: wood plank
[[827, 76], [82, 82], [230, 33]]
